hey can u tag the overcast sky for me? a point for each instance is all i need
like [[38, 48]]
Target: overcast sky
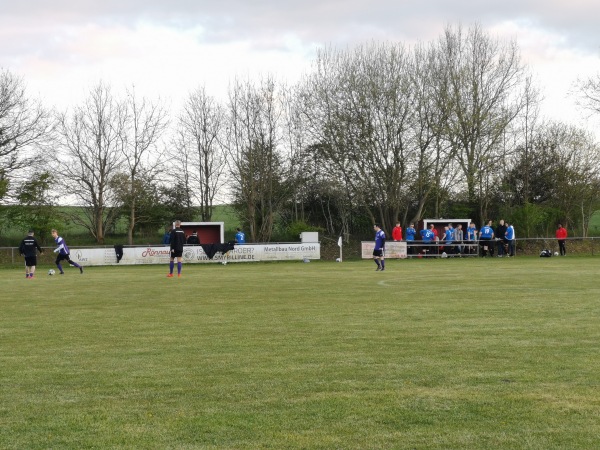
[[168, 48]]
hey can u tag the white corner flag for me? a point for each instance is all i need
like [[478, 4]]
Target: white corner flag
[[340, 242], [340, 246]]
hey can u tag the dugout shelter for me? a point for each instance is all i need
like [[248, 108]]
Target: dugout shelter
[[439, 224], [208, 232]]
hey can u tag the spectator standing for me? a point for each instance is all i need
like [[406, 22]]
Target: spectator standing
[[176, 243], [28, 248], [500, 233], [459, 237], [509, 238], [379, 249], [435, 232], [472, 237], [166, 240], [436, 240], [561, 236], [397, 232]]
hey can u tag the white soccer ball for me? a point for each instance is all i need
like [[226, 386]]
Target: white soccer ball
[[51, 272], [337, 260], [555, 253], [224, 263]]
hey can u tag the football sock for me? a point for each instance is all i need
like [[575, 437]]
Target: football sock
[[171, 266], [179, 267], [59, 268], [383, 263]]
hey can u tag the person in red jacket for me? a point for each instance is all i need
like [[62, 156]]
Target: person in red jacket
[[397, 232], [561, 236]]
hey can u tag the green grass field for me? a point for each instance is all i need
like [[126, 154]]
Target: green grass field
[[438, 354]]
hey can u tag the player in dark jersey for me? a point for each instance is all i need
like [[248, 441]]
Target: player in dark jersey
[[28, 248], [379, 250], [177, 243]]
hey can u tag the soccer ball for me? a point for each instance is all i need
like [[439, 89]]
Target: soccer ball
[[51, 272], [224, 263], [555, 253], [337, 259]]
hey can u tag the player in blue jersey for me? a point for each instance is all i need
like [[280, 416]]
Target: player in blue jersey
[[509, 238], [410, 238], [427, 236], [63, 253], [379, 250], [448, 238], [486, 235], [240, 236]]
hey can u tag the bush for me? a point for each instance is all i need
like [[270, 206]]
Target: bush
[[292, 232]]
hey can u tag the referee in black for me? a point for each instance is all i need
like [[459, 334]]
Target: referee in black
[[177, 243], [28, 248]]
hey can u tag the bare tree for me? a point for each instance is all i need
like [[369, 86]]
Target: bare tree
[[256, 164], [431, 161], [24, 125], [563, 175], [360, 111], [199, 138], [90, 153], [484, 79], [145, 123], [588, 94]]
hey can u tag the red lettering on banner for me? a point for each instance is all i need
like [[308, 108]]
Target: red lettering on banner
[[150, 253]]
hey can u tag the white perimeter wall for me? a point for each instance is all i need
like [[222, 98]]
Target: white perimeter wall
[[393, 249], [195, 254]]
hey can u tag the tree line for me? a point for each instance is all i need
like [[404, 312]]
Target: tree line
[[379, 133]]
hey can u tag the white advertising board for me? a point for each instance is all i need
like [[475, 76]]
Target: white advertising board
[[195, 254], [393, 249]]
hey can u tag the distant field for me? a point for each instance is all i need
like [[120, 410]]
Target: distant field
[[435, 354], [80, 236], [595, 224]]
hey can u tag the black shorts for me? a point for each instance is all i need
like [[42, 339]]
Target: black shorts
[[31, 261], [60, 257], [486, 242], [176, 253], [378, 253]]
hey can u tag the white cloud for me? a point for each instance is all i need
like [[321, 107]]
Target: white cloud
[[64, 47]]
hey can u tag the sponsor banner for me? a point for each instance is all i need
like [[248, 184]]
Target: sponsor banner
[[393, 249], [195, 254]]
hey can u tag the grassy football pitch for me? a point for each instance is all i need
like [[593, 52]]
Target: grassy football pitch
[[437, 354]]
